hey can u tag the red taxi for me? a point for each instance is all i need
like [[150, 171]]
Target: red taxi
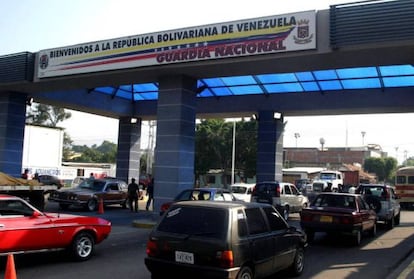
[[341, 213]]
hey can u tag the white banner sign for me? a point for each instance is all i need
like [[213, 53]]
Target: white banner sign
[[273, 34]]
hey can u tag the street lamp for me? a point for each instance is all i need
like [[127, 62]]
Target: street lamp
[[322, 142], [363, 136], [297, 135]]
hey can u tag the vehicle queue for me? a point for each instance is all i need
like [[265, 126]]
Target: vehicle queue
[[327, 211]]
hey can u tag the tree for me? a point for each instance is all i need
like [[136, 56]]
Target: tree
[[47, 115], [105, 153], [67, 147], [382, 167], [214, 140]]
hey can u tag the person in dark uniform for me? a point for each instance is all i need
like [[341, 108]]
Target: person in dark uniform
[[150, 193], [133, 192]]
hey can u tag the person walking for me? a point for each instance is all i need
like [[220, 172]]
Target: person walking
[[150, 193], [133, 193]]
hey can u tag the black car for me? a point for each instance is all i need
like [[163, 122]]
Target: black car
[[51, 180], [214, 239]]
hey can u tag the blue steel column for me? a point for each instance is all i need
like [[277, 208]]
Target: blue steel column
[[129, 149], [269, 147], [175, 146], [12, 124]]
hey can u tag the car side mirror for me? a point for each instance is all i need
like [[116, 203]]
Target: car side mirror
[[35, 214]]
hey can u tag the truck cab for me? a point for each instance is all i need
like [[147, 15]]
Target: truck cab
[[335, 179]]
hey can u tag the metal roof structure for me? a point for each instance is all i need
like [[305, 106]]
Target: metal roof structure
[[375, 77]]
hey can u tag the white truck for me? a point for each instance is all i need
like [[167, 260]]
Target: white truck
[[335, 179]]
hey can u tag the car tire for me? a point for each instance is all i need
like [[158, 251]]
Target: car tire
[[357, 238], [245, 273], [124, 204], [298, 264], [92, 205], [83, 246], [397, 219], [390, 223], [373, 231]]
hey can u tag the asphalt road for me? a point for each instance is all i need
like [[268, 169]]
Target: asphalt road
[[122, 254]]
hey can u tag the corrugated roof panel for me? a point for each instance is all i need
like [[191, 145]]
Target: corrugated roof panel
[[357, 72], [330, 85], [397, 70], [238, 80], [284, 87], [246, 89], [361, 83], [399, 81], [325, 75], [277, 78]]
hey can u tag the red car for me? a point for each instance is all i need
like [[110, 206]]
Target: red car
[[339, 213], [23, 228]]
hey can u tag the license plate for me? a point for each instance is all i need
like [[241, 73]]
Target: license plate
[[184, 257], [326, 219]]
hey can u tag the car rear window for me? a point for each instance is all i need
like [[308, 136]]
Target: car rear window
[[269, 188], [195, 221], [341, 201]]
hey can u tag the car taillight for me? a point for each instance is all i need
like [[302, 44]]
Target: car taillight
[[225, 258], [254, 191], [277, 191], [305, 217], [165, 207], [151, 248]]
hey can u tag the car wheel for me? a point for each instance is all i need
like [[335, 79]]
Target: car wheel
[[298, 263], [63, 206], [83, 246], [373, 231], [358, 238], [92, 204], [390, 223], [124, 204], [286, 212], [245, 273], [305, 205], [397, 219]]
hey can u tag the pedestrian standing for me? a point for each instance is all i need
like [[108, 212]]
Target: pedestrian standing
[[150, 192], [133, 192]]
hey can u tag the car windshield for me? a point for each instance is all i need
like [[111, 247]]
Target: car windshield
[[341, 201], [193, 195], [377, 191], [327, 176], [195, 221], [95, 185]]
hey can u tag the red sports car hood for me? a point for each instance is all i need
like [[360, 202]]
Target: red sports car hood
[[87, 220]]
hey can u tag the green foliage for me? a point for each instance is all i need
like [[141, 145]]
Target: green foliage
[[214, 145], [104, 153], [382, 167], [67, 147], [47, 115]]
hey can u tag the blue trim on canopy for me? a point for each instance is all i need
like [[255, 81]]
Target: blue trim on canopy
[[311, 81]]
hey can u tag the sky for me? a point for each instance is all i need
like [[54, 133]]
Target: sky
[[33, 25]]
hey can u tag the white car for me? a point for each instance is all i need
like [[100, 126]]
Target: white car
[[242, 191], [292, 198]]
